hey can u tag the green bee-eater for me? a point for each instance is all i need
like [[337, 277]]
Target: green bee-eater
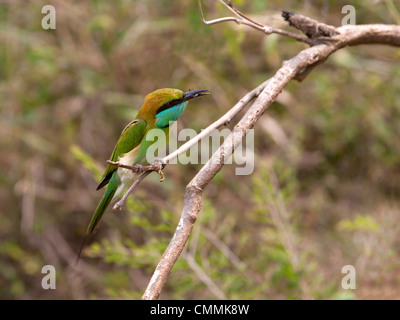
[[161, 108]]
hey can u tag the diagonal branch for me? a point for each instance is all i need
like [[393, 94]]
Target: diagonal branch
[[291, 69], [193, 196]]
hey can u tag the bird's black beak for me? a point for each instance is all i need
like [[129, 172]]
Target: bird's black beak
[[194, 94]]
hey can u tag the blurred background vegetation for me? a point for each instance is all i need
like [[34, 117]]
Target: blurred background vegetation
[[324, 193]]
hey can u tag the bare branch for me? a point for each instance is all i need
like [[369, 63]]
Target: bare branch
[[310, 27], [120, 204], [298, 67], [243, 19], [143, 172]]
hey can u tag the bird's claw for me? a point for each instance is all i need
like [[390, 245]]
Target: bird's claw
[[161, 175], [163, 164]]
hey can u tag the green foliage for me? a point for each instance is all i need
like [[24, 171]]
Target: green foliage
[[87, 161], [366, 223]]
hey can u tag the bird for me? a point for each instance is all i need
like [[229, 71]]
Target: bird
[[161, 108]]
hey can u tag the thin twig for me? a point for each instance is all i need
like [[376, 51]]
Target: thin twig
[[233, 258], [120, 204], [243, 19], [144, 171], [137, 168], [204, 277]]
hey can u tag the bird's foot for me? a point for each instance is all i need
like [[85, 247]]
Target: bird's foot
[[159, 160], [136, 168], [162, 166]]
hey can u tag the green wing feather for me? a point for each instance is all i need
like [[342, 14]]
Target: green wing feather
[[130, 138]]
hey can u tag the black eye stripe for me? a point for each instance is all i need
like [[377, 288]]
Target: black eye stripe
[[169, 104]]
